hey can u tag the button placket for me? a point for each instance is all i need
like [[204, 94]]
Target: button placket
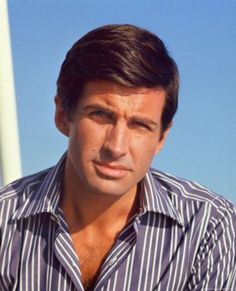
[[137, 222]]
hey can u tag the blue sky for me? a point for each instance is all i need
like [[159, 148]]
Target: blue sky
[[200, 36]]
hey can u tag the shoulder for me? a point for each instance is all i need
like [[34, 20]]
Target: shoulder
[[17, 192], [209, 219], [193, 200], [21, 186], [188, 191]]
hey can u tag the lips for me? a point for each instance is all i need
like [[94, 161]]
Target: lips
[[111, 171]]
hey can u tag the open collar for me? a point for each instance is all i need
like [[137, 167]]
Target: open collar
[[45, 197]]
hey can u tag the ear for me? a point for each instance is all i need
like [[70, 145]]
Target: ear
[[60, 117], [161, 142]]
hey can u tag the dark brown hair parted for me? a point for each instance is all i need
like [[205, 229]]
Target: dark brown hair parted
[[125, 54]]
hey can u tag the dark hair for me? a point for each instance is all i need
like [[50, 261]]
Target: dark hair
[[124, 54]]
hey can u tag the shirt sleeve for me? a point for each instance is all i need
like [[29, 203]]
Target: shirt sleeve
[[215, 263]]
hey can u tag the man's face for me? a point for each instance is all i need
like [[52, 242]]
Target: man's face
[[114, 132]]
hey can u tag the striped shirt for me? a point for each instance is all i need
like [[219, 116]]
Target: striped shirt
[[182, 239]]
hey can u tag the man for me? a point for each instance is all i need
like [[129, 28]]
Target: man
[[101, 219]]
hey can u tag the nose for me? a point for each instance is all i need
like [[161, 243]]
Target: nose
[[116, 143]]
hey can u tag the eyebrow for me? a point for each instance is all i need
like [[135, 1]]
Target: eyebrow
[[141, 119], [145, 120]]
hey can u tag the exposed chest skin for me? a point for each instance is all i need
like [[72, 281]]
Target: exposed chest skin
[[91, 251]]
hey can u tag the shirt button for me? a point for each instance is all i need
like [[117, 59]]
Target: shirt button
[[112, 261], [138, 220]]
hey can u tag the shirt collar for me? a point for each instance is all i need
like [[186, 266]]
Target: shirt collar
[[155, 198], [45, 197]]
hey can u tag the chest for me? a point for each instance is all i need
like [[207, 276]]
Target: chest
[[155, 257], [91, 253]]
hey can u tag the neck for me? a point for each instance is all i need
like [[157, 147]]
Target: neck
[[83, 209]]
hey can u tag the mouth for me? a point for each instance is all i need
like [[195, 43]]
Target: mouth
[[111, 171]]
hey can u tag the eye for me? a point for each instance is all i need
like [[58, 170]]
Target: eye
[[142, 125], [98, 113], [100, 116]]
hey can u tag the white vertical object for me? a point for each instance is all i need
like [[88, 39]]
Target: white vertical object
[[9, 140]]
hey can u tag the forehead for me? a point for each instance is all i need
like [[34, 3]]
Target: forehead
[[106, 87], [117, 95]]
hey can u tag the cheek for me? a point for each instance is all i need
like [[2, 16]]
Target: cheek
[[86, 139], [143, 152], [145, 146]]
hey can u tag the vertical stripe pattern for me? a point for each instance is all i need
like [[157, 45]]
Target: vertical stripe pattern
[[182, 239]]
